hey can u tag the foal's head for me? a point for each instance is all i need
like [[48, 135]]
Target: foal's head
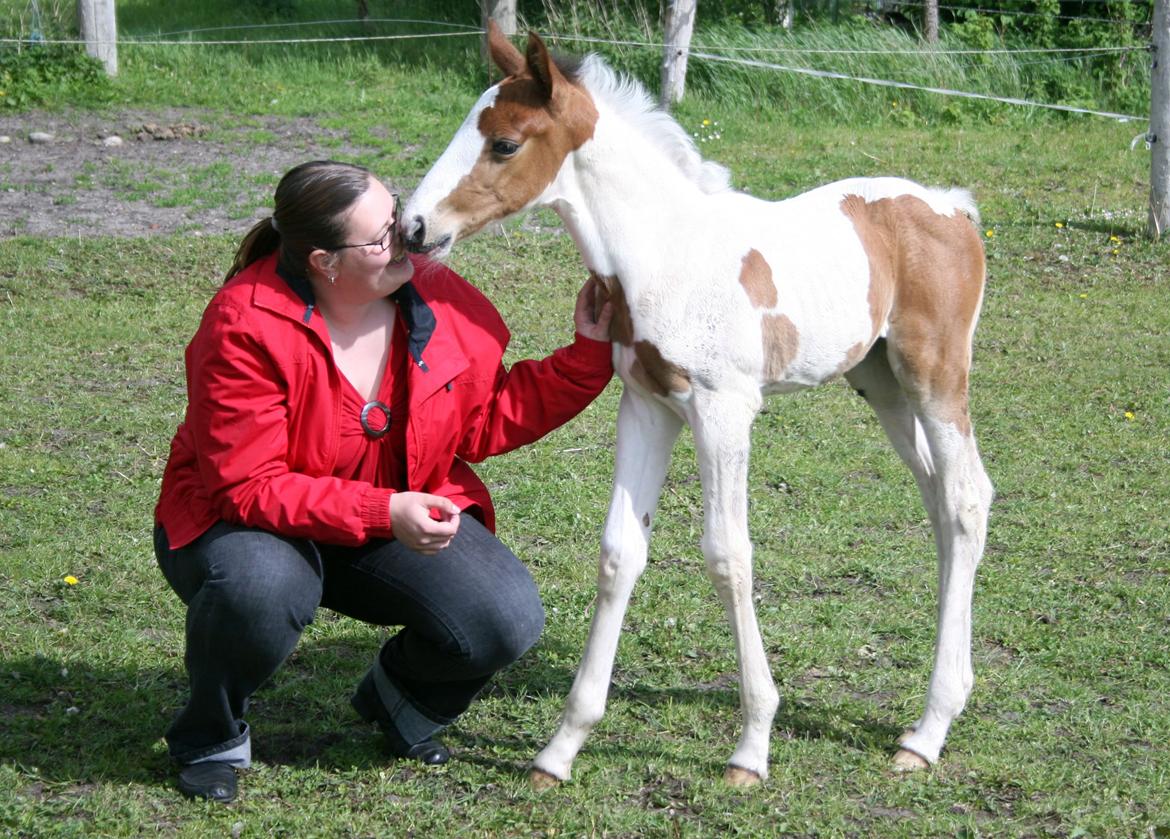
[[508, 151]]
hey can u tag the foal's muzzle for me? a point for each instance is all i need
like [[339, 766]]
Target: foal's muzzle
[[414, 232], [415, 235]]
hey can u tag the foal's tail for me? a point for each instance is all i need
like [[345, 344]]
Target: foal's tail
[[962, 201]]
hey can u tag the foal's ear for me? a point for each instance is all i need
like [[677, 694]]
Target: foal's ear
[[504, 55], [541, 65]]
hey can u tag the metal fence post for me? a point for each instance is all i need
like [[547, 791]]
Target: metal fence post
[[1159, 135]]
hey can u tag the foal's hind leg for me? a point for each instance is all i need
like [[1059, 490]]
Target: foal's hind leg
[[645, 437], [874, 381], [963, 505], [722, 426], [942, 455]]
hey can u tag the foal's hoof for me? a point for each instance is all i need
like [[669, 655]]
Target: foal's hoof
[[540, 780], [737, 776], [907, 761]]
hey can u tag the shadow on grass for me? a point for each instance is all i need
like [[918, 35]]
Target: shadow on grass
[[538, 678], [106, 723], [1126, 229], [91, 723]]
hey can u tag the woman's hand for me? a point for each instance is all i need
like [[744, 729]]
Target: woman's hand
[[583, 318], [422, 522]]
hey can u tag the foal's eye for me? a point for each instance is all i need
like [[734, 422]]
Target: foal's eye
[[504, 148]]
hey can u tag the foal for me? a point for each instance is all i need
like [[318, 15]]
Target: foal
[[721, 299]]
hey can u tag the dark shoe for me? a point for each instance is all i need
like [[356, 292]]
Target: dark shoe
[[213, 780], [429, 751], [370, 708]]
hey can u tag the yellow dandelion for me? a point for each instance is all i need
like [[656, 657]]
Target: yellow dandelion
[[1114, 239], [1115, 251], [1129, 415], [990, 234], [706, 122], [1083, 296], [1059, 225], [70, 580]]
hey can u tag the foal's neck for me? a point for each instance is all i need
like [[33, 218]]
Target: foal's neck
[[627, 205]]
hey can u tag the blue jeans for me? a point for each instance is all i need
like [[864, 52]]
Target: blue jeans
[[466, 613]]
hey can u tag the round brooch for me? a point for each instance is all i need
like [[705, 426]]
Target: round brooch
[[370, 411]]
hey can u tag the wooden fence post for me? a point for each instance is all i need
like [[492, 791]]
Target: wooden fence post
[[99, 30], [503, 12], [679, 26], [930, 21], [1159, 135]]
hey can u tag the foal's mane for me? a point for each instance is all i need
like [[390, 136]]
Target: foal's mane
[[633, 104]]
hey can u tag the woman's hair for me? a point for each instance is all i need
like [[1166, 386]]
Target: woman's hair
[[310, 204]]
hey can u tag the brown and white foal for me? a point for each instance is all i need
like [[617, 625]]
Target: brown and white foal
[[722, 299]]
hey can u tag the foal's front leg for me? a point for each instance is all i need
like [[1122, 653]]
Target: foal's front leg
[[722, 426], [646, 432]]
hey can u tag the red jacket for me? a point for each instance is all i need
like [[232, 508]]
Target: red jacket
[[259, 442]]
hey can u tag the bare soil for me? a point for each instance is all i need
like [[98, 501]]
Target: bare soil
[[76, 184]]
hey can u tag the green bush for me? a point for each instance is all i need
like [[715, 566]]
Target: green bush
[[47, 74]]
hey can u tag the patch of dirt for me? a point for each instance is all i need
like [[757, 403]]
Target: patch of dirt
[[78, 182]]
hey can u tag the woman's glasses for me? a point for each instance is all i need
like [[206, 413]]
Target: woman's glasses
[[382, 244]]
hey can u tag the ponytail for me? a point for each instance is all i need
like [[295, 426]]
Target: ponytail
[[260, 241], [311, 203]]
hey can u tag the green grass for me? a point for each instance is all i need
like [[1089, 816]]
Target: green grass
[[1067, 729]]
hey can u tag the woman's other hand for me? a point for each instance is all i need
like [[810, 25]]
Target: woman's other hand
[[422, 522], [595, 327]]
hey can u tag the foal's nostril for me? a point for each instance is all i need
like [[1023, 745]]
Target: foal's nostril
[[416, 233]]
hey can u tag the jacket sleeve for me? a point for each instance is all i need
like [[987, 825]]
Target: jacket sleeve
[[535, 397], [238, 413]]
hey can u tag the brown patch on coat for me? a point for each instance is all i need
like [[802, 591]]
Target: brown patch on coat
[[781, 342], [926, 276], [649, 368], [621, 327], [655, 373], [755, 275]]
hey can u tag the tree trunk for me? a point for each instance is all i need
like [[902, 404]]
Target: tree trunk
[[680, 25], [99, 30], [1159, 136]]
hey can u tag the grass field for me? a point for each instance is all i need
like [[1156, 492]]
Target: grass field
[[1065, 735]]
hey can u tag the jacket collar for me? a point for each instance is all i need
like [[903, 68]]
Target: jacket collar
[[420, 321], [437, 353], [418, 315]]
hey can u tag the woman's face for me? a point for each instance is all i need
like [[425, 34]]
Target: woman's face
[[366, 270]]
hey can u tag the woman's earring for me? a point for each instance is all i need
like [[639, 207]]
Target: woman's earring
[[332, 278]]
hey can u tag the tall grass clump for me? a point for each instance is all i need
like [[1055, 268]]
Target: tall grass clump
[[860, 48], [405, 32], [864, 51], [321, 72]]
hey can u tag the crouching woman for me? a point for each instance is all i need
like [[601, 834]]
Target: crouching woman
[[337, 387]]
